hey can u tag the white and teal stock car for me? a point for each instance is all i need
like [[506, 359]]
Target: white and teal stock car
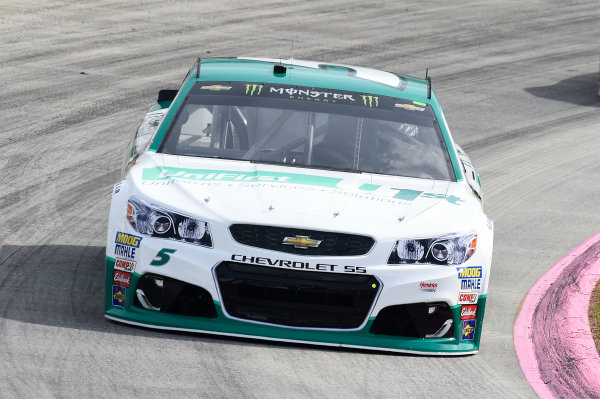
[[300, 201]]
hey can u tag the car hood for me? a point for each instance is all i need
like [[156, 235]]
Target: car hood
[[243, 192]]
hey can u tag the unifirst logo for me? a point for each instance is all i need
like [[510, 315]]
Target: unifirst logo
[[370, 101], [128, 239], [469, 272], [251, 89]]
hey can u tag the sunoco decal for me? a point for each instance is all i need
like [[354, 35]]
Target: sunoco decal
[[119, 295], [470, 277], [168, 175], [468, 330], [321, 267]]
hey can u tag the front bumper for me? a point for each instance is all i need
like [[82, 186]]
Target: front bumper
[[365, 335]]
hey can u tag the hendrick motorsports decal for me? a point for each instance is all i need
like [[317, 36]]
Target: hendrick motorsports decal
[[432, 287], [165, 175], [322, 267], [470, 277]]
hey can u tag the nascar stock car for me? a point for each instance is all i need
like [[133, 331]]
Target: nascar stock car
[[300, 201]]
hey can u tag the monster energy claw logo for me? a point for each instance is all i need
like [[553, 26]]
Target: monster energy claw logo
[[250, 89], [370, 101]]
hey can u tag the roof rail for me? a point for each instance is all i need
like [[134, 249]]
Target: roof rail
[[198, 67]]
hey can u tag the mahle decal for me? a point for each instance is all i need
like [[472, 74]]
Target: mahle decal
[[370, 101], [252, 89]]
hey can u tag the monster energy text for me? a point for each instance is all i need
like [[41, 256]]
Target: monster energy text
[[314, 94]]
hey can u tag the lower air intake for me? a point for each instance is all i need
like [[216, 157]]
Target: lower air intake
[[419, 320], [296, 298], [167, 295]]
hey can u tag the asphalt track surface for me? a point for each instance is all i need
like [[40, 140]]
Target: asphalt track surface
[[518, 83]]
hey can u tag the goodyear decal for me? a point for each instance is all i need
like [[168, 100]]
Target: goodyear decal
[[126, 244], [470, 277]]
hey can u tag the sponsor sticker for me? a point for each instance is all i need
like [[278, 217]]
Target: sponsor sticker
[[121, 278], [291, 264], [470, 277], [468, 331], [370, 101], [467, 297], [409, 107], [125, 265], [216, 87], [425, 286], [119, 294], [468, 312], [126, 244]]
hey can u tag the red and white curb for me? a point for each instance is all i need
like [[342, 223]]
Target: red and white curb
[[552, 335]]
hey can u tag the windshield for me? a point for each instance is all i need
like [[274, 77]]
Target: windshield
[[301, 126]]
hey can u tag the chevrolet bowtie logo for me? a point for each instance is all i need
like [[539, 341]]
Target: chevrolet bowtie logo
[[301, 242], [216, 87]]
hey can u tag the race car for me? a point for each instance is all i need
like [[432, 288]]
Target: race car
[[300, 201]]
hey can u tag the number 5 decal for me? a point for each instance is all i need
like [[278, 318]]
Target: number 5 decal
[[162, 257]]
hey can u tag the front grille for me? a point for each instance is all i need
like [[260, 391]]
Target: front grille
[[296, 298], [271, 237]]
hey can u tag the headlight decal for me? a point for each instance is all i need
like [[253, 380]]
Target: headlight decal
[[452, 249], [153, 221]]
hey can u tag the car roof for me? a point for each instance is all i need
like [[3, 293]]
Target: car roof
[[312, 74]]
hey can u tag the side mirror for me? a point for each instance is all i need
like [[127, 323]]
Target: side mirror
[[142, 137], [166, 95], [470, 173]]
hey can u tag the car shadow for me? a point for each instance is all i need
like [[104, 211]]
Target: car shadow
[[579, 90], [63, 286]]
